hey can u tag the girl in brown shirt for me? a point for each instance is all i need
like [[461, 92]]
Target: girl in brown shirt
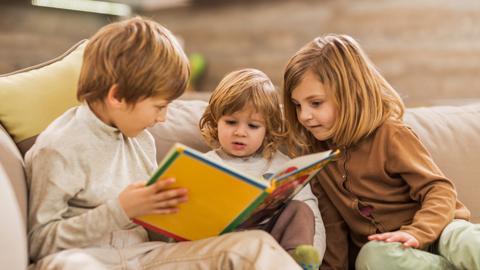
[[384, 202]]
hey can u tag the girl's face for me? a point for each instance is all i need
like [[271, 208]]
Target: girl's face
[[241, 134], [315, 109]]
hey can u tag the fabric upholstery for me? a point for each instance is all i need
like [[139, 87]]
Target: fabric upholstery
[[12, 162], [452, 135], [13, 233], [33, 97], [181, 126]]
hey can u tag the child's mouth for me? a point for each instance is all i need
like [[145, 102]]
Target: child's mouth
[[238, 145]]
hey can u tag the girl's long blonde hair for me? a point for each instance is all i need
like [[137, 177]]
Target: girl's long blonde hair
[[363, 98], [236, 90]]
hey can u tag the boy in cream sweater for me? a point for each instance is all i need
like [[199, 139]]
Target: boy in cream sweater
[[86, 171]]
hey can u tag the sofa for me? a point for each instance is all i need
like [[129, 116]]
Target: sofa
[[31, 98]]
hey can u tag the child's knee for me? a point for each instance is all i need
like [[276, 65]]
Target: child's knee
[[459, 243], [70, 259], [378, 255]]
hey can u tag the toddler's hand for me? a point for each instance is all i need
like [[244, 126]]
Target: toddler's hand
[[138, 200], [406, 239]]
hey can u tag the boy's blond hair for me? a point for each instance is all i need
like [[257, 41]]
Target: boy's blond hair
[[363, 98], [234, 92], [138, 55]]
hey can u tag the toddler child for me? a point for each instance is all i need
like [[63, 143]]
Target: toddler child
[[244, 123]]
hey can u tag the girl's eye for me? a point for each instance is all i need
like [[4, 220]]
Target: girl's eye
[[230, 122], [253, 126], [316, 103]]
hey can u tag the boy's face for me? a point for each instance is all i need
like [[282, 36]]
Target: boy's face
[[241, 134], [131, 120], [315, 109]]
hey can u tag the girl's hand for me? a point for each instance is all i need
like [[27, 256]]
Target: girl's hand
[[138, 200], [406, 239]]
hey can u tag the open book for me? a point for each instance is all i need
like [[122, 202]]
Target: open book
[[220, 198]]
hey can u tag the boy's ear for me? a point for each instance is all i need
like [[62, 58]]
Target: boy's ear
[[113, 99]]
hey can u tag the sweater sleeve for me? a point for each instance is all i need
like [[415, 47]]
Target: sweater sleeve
[[336, 253], [307, 197], [54, 181], [408, 158]]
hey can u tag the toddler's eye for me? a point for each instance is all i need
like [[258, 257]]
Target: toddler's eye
[[253, 126], [230, 122]]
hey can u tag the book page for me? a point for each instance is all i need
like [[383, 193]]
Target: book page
[[287, 183]]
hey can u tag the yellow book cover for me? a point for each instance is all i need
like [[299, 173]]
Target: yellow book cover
[[220, 198]]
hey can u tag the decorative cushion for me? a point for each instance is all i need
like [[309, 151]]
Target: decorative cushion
[[31, 98], [181, 126]]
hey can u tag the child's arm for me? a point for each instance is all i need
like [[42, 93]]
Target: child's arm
[[54, 225], [336, 253], [409, 158]]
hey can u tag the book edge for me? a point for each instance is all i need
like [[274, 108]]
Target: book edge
[[158, 230]]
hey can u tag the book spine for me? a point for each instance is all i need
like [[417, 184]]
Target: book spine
[[158, 230], [165, 166], [246, 213]]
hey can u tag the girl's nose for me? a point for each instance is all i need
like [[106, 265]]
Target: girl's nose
[[305, 115]]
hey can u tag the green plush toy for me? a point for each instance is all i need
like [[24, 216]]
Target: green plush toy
[[307, 257]]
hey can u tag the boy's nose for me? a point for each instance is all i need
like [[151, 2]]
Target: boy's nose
[[161, 116]]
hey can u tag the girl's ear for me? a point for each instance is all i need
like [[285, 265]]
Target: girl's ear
[[113, 98]]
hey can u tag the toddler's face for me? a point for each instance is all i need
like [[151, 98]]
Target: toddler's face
[[241, 134], [315, 109]]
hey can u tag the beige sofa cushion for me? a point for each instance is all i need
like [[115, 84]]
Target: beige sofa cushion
[[33, 97], [452, 135], [181, 126]]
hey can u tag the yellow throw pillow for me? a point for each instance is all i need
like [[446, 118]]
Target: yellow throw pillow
[[33, 97]]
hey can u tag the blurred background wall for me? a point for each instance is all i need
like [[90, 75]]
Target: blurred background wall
[[429, 50]]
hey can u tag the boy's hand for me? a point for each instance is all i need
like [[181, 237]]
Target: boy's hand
[[138, 200], [406, 239]]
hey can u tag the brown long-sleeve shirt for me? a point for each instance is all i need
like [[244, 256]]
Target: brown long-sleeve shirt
[[387, 182]]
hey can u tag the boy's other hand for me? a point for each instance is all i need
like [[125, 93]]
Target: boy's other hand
[[406, 239], [138, 200]]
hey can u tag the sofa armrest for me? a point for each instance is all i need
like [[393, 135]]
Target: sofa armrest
[[13, 237]]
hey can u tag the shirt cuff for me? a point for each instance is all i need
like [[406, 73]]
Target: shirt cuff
[[119, 215]]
